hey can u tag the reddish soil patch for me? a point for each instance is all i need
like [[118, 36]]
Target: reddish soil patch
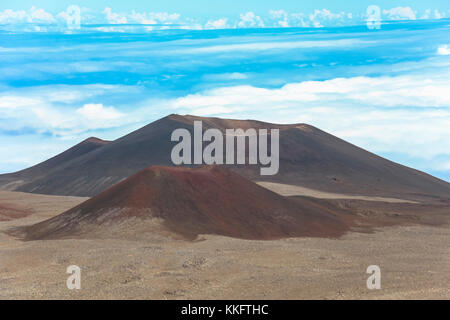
[[11, 212]]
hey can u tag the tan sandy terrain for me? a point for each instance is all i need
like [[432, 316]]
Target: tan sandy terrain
[[414, 262], [288, 190]]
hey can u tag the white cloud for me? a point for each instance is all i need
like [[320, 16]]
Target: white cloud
[[438, 15], [443, 166], [400, 13], [318, 17], [56, 109], [400, 91], [40, 15], [281, 18], [225, 76], [96, 112], [114, 18], [274, 45], [427, 14], [34, 15], [250, 20], [217, 24], [299, 20], [11, 16], [154, 18], [13, 102], [444, 50], [430, 14], [142, 18], [213, 111], [164, 17], [236, 76]]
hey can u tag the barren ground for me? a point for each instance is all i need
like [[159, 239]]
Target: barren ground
[[414, 262], [291, 190]]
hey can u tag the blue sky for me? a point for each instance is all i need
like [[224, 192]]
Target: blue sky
[[384, 89], [218, 7]]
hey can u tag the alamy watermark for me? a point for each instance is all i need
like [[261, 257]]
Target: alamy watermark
[[374, 281], [74, 280], [213, 153], [73, 17], [373, 17]]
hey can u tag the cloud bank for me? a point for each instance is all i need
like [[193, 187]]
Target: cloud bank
[[40, 20]]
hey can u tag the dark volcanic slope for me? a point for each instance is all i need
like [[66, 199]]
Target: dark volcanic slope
[[53, 164], [189, 202], [309, 157]]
